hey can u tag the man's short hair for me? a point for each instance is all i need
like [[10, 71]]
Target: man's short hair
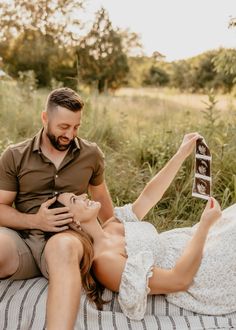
[[66, 98]]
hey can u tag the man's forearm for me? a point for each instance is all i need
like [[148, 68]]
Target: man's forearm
[[11, 218], [101, 194], [106, 211]]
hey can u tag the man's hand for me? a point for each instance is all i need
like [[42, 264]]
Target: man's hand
[[54, 220]]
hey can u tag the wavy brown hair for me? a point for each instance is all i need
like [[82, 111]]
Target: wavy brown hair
[[92, 287]]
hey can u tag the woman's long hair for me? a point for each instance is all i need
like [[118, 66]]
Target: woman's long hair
[[92, 287]]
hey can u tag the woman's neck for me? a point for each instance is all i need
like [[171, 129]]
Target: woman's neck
[[94, 229]]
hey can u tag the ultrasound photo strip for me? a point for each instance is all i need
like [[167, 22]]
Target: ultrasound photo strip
[[202, 173]]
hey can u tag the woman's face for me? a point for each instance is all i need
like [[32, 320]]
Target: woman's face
[[82, 208]]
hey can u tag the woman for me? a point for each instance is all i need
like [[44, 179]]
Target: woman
[[131, 258]]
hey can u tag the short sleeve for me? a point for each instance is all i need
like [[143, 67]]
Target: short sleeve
[[98, 174], [134, 288], [125, 213], [8, 176]]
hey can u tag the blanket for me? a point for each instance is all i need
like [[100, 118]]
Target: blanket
[[23, 304]]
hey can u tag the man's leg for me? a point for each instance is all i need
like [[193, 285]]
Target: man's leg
[[9, 258], [16, 260], [63, 253]]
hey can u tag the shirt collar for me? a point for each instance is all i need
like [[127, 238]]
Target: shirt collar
[[37, 140]]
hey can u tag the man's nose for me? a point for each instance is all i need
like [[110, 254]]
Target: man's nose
[[69, 134]]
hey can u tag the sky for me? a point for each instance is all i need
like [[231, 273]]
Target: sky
[[178, 29]]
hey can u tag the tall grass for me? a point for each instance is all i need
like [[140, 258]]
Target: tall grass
[[138, 134]]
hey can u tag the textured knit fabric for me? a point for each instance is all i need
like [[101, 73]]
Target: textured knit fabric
[[213, 290]]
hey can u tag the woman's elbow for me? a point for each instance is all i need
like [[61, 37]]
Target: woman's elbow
[[184, 284]]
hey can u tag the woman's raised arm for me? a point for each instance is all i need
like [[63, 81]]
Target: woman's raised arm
[[155, 188], [181, 276]]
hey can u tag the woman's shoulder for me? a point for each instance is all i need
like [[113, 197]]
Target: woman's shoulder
[[108, 267], [125, 213]]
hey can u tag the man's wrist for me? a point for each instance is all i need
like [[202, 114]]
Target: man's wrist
[[30, 221]]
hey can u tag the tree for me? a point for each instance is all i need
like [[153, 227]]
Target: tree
[[38, 35], [180, 76], [101, 56], [31, 50], [156, 77], [203, 71], [225, 66], [51, 17], [232, 22]]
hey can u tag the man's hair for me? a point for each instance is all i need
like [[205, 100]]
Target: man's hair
[[66, 98]]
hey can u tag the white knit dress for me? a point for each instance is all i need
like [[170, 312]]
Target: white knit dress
[[213, 290]]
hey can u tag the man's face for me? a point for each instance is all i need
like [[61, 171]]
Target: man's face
[[61, 126]]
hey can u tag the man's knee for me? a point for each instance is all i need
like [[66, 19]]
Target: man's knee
[[9, 257], [64, 248]]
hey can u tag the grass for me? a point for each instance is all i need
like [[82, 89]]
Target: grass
[[139, 130]]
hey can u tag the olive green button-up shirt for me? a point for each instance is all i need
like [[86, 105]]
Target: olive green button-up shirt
[[27, 171]]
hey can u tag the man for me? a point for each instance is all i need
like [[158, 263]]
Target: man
[[32, 173]]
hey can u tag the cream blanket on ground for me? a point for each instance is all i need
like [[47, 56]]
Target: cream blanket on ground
[[23, 303]]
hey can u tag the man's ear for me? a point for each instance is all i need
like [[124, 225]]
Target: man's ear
[[44, 117]]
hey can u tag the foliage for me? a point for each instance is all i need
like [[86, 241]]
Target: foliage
[[156, 77], [138, 70], [232, 22], [203, 73], [180, 75], [40, 36], [210, 115], [53, 18], [212, 69], [101, 58], [27, 83], [40, 53], [42, 41], [225, 66], [138, 134]]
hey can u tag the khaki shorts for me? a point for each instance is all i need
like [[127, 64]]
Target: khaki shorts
[[32, 261]]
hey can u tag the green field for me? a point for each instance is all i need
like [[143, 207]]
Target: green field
[[139, 130]]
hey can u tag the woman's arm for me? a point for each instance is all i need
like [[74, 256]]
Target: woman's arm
[[155, 189], [181, 276], [110, 266]]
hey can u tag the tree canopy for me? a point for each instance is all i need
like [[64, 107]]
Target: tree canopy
[[102, 60], [56, 18]]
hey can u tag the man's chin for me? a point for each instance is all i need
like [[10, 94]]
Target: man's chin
[[62, 147]]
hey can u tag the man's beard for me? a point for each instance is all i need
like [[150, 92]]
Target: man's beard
[[56, 142]]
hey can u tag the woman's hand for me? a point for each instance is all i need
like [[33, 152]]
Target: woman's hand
[[211, 213], [188, 144]]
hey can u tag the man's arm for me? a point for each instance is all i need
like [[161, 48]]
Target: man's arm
[[45, 219], [101, 194]]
